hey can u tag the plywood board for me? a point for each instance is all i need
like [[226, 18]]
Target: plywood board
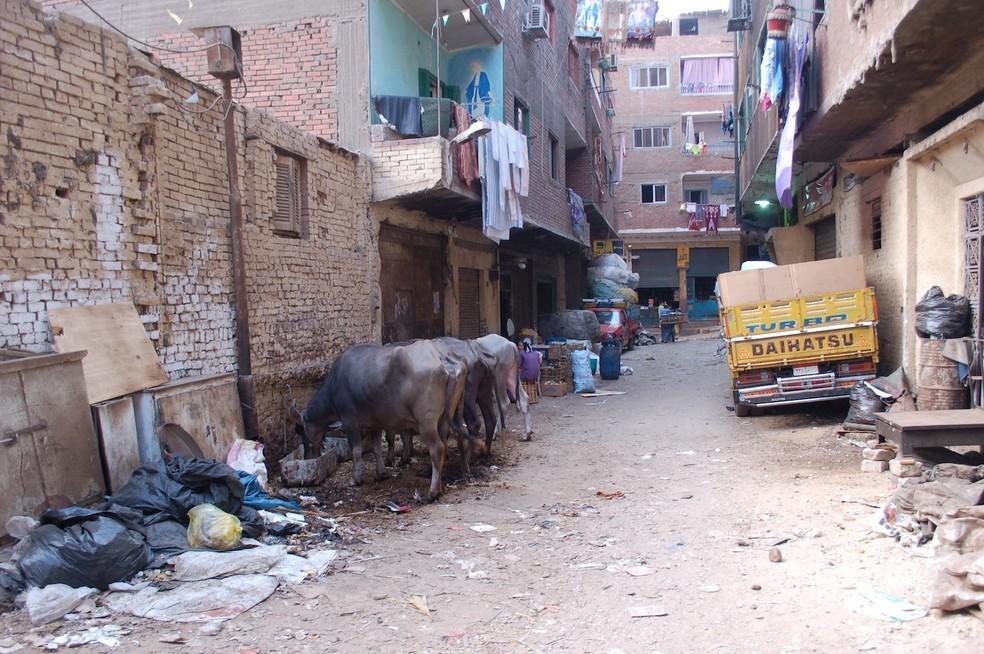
[[207, 408], [121, 359], [118, 440]]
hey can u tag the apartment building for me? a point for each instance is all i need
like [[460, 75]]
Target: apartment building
[[673, 97]]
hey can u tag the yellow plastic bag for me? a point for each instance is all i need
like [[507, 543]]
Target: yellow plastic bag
[[211, 527]]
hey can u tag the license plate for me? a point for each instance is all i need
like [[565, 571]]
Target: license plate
[[799, 371]]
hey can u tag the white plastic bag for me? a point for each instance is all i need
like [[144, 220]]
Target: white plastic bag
[[248, 457]]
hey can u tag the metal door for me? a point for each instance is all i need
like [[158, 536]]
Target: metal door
[[825, 239], [411, 281], [469, 303]]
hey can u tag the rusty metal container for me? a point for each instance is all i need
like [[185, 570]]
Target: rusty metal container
[[939, 379]]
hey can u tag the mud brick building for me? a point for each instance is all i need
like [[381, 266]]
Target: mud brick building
[[114, 190]]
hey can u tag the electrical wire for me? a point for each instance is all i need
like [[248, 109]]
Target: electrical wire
[[156, 47]]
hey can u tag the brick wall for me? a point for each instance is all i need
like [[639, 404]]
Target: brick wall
[[666, 106], [113, 191]]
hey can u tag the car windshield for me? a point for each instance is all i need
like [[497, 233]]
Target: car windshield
[[611, 318]]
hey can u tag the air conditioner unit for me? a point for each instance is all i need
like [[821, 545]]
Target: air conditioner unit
[[610, 63], [537, 22]]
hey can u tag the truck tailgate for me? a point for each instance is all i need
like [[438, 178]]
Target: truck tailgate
[[823, 344], [802, 313]]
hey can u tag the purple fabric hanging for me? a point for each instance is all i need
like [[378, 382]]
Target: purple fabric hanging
[[784, 162]]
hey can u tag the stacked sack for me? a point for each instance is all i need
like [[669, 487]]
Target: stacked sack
[[609, 277]]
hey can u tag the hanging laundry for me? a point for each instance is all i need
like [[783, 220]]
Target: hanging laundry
[[465, 154], [691, 207], [772, 68], [712, 216], [503, 163], [724, 211], [579, 220], [784, 160], [403, 113], [619, 158]]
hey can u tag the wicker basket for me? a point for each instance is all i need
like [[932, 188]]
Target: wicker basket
[[532, 391]]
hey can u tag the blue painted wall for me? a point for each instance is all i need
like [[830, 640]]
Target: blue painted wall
[[397, 49], [482, 67]]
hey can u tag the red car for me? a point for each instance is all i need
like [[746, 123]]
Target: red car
[[619, 323]]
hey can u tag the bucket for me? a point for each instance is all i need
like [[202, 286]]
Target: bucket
[[939, 379]]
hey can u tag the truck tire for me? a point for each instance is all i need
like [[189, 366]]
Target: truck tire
[[742, 410]]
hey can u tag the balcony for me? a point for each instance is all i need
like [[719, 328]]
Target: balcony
[[421, 172], [720, 149], [701, 88]]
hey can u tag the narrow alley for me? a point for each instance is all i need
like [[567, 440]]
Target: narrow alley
[[700, 497]]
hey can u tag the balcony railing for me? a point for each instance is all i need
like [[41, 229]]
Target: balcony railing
[[429, 117], [712, 150], [701, 88]]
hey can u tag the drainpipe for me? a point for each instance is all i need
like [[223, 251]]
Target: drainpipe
[[225, 63]]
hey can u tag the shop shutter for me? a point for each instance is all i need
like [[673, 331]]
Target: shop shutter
[[825, 239], [469, 311], [411, 280], [656, 268], [708, 262]]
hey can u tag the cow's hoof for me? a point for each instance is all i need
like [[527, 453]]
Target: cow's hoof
[[527, 437]]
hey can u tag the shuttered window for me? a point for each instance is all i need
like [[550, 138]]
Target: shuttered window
[[290, 205], [825, 239]]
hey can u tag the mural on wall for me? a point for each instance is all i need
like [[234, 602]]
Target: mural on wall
[[478, 73], [641, 21], [587, 21]]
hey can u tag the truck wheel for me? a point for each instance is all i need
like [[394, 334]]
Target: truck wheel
[[742, 410]]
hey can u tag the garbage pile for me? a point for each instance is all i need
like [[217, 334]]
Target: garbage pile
[[609, 277], [944, 508], [178, 542], [942, 317], [875, 396]]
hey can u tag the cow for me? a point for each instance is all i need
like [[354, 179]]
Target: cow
[[403, 388], [507, 386]]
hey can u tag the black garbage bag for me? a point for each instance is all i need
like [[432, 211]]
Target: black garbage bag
[[85, 547], [164, 493], [12, 583], [939, 316], [865, 403]]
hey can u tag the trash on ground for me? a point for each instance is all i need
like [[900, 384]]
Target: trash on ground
[[775, 555], [257, 498], [647, 611], [20, 527], [196, 601], [419, 603], [213, 528], [247, 456], [483, 528], [602, 393], [52, 602], [882, 606], [709, 588], [395, 507], [106, 635], [610, 495], [200, 565], [84, 548], [639, 570]]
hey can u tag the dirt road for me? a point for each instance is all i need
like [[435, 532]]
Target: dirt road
[[699, 497]]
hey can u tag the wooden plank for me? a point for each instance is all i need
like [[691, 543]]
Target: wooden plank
[[944, 419], [121, 359], [118, 440], [21, 488]]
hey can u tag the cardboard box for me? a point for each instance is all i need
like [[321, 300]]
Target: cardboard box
[[795, 280]]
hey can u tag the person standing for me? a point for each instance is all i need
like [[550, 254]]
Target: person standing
[[667, 331]]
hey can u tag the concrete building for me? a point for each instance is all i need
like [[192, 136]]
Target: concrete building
[[672, 94], [321, 65], [889, 153]]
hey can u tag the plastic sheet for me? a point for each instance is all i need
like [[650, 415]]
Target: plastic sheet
[[84, 547], [939, 316], [259, 499], [213, 528]]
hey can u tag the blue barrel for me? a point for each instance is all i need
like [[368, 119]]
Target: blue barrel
[[610, 360]]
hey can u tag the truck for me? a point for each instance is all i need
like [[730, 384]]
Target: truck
[[799, 333], [618, 319]]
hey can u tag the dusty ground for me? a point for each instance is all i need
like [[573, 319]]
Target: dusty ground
[[551, 577]]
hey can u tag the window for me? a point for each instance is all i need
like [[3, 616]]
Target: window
[[653, 193], [876, 224], [521, 116], [290, 194], [651, 137], [649, 77], [554, 157], [688, 27], [697, 195], [707, 76]]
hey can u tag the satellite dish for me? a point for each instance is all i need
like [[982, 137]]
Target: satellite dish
[[510, 327]]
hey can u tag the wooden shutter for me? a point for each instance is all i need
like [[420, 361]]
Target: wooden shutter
[[287, 194], [469, 306], [825, 238]]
